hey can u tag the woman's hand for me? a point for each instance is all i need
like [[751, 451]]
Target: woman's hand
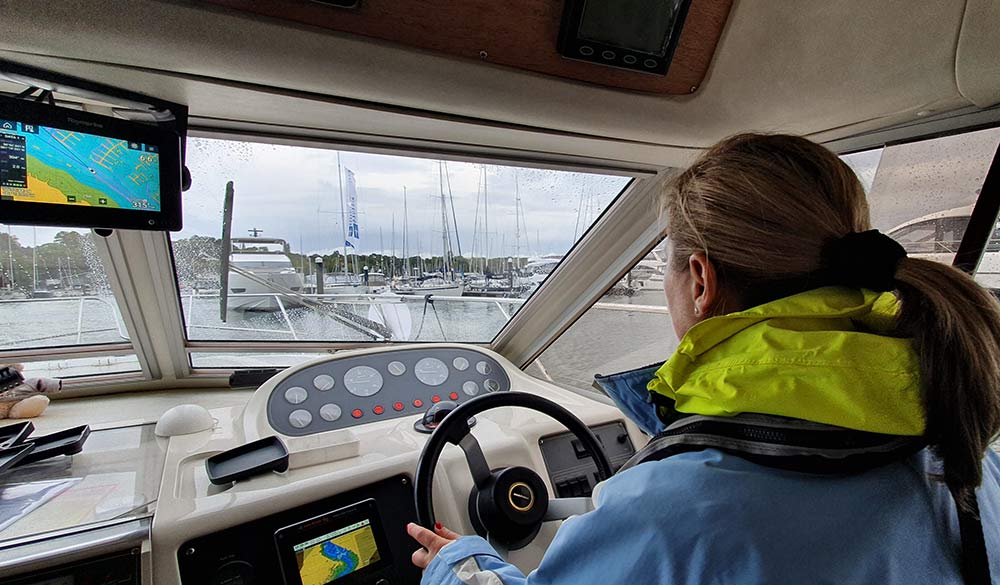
[[431, 541]]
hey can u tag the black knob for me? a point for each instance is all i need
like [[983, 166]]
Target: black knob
[[435, 414]]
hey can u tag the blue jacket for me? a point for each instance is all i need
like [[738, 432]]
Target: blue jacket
[[708, 517]]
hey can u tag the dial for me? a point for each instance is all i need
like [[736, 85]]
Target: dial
[[431, 371], [461, 364], [296, 395], [300, 418], [363, 381], [491, 385], [324, 382], [470, 388], [484, 368], [396, 368], [330, 412]]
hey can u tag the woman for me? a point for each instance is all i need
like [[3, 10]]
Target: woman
[[788, 307]]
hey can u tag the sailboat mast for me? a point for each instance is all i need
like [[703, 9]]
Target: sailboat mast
[[10, 256], [454, 218], [445, 240], [517, 218], [34, 263], [392, 244], [406, 225], [486, 214], [343, 212], [381, 248]]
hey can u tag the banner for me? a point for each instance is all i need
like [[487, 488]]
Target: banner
[[352, 207]]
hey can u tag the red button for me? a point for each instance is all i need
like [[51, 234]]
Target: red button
[[378, 409], [418, 403], [398, 406], [435, 398], [356, 413], [453, 396]]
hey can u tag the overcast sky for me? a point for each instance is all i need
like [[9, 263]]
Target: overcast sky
[[293, 193]]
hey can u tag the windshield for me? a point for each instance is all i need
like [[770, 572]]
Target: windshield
[[321, 245], [56, 276]]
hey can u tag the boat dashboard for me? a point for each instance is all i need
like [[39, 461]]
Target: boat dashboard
[[335, 505]]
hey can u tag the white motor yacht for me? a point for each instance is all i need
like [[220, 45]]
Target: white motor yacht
[[261, 274]]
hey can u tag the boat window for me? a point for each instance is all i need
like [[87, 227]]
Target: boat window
[[355, 247], [920, 193], [56, 276]]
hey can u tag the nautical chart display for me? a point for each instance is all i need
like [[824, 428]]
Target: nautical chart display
[[69, 168], [39, 164]]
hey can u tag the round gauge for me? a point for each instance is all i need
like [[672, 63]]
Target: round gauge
[[323, 382], [461, 364], [363, 381], [431, 371], [296, 395], [491, 385], [300, 418], [396, 368], [330, 412], [470, 388], [484, 368]]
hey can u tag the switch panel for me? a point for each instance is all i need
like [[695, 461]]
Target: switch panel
[[571, 470]]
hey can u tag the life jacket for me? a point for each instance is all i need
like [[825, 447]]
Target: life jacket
[[725, 388]]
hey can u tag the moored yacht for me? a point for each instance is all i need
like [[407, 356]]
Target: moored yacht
[[262, 276]]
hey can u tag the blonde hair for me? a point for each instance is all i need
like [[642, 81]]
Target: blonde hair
[[763, 207]]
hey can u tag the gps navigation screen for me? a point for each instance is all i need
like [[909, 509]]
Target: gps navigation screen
[[39, 164], [331, 556]]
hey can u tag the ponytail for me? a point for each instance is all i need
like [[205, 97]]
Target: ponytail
[[955, 327]]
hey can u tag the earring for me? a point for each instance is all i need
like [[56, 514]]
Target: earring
[[697, 311]]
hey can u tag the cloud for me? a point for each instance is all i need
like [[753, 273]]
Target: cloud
[[294, 193]]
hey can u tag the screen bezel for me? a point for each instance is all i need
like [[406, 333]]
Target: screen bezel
[[286, 538], [167, 142]]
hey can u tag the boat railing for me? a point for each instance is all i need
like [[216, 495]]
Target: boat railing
[[504, 305], [82, 303]]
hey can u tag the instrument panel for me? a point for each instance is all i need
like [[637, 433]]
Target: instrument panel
[[345, 392]]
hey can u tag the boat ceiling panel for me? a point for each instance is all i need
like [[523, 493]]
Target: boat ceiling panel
[[517, 33], [827, 69], [977, 67]]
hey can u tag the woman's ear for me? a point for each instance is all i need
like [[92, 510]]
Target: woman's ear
[[705, 293]]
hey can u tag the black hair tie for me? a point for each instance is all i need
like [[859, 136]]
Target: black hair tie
[[863, 260]]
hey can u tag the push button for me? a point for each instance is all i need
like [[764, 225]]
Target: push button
[[357, 413]]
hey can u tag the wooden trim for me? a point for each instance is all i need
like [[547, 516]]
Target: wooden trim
[[517, 33]]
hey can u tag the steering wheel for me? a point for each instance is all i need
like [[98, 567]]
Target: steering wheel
[[507, 505]]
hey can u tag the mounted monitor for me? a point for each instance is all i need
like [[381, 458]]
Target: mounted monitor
[[71, 168], [640, 35]]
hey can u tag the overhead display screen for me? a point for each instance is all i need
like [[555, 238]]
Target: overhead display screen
[[71, 168], [329, 557], [641, 25], [40, 164]]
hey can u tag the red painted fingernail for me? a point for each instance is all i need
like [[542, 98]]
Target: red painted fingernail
[[438, 525]]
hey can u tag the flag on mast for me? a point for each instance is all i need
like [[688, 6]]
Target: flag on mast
[[353, 233]]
